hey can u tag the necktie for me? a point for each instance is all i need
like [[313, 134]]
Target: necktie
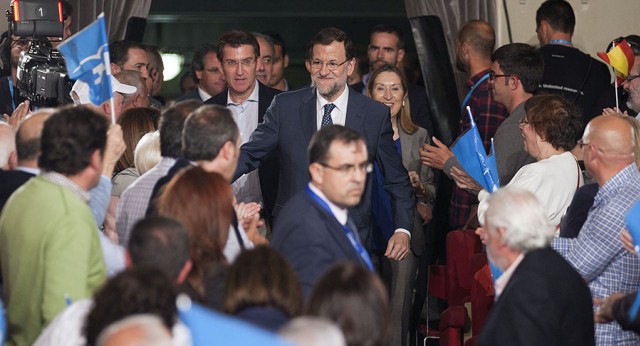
[[326, 117]]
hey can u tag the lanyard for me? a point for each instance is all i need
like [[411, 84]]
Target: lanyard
[[473, 88], [347, 231], [13, 104], [561, 42]]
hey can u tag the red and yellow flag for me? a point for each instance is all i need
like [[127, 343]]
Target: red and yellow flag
[[621, 58]]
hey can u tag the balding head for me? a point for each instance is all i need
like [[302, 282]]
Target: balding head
[[479, 35], [609, 146], [7, 147], [28, 138]]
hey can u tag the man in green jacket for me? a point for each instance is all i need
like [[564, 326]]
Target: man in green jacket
[[50, 252]]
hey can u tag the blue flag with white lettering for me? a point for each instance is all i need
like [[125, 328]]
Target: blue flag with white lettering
[[87, 57], [470, 152]]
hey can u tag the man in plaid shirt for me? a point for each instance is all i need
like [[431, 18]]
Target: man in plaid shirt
[[474, 45], [597, 254]]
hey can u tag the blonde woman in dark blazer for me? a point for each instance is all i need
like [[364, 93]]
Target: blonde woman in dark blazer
[[388, 85]]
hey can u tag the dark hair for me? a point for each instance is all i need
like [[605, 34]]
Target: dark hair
[[479, 35], [70, 137], [633, 40], [404, 118], [321, 141], [277, 39], [262, 277], [555, 120], [137, 290], [119, 51], [161, 242], [197, 61], [205, 132], [356, 300], [559, 14], [389, 29], [203, 202], [135, 123], [171, 125], [327, 36], [67, 9], [523, 61], [235, 39]]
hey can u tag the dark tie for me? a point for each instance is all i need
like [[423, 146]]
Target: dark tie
[[326, 117]]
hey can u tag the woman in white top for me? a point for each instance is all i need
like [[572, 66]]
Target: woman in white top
[[549, 131]]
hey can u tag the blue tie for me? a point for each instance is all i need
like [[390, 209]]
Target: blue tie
[[326, 117]]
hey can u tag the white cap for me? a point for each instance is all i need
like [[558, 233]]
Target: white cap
[[82, 90]]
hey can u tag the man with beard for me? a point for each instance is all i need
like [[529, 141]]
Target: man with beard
[[474, 45], [294, 117], [386, 47]]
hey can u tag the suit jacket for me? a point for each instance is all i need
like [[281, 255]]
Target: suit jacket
[[545, 302], [191, 95], [312, 243], [419, 103], [10, 181], [410, 144], [268, 172], [288, 125]]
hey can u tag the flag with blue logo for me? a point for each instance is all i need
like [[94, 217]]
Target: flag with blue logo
[[87, 57], [470, 152], [633, 224]]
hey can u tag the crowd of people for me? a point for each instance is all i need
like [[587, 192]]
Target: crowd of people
[[304, 212]]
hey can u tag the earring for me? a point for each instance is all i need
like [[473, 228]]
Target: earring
[[402, 103]]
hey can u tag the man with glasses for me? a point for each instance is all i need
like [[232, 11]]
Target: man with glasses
[[239, 54], [206, 72], [607, 147], [338, 165], [295, 116], [632, 84]]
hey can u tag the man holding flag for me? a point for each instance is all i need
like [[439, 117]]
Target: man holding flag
[[87, 57], [625, 59]]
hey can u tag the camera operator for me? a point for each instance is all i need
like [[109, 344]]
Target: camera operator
[[67, 12], [10, 97]]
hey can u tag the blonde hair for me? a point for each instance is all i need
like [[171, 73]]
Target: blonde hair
[[147, 153]]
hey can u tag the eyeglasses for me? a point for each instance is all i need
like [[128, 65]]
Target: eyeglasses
[[331, 65], [582, 144], [632, 77], [493, 76], [347, 169], [234, 63]]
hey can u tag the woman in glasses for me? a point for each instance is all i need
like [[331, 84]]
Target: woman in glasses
[[549, 131], [389, 86]]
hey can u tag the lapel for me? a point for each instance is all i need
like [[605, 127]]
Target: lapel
[[335, 231], [263, 101], [307, 114], [406, 146], [355, 112]]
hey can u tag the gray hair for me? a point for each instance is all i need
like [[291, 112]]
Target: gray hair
[[150, 331], [312, 331], [522, 217], [147, 152]]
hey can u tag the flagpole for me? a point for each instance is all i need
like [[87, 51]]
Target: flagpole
[[615, 79]]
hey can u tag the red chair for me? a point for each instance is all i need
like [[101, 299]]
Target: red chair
[[482, 292], [461, 245]]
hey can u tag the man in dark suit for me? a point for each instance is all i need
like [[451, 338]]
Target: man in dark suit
[[207, 73], [27, 144], [314, 229], [295, 116], [540, 298], [248, 99]]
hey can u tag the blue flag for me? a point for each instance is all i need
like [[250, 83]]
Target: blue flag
[[3, 325], [633, 224], [87, 57], [470, 152], [208, 327]]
